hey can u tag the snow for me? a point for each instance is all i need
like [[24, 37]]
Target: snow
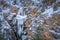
[[52, 31], [14, 21], [48, 11], [37, 1], [21, 17], [58, 10], [32, 7], [10, 17], [6, 11], [23, 37], [13, 13], [1, 18], [16, 6], [5, 25], [57, 1]]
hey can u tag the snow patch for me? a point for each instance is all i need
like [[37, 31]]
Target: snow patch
[[48, 12]]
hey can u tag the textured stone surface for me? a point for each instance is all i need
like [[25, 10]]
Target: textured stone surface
[[31, 18]]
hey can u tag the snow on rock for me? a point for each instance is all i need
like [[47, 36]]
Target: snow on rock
[[19, 17], [57, 1], [48, 12], [5, 24], [6, 11], [58, 10], [37, 1], [11, 16], [53, 32]]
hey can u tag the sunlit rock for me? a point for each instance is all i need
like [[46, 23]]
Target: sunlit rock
[[27, 23], [14, 10]]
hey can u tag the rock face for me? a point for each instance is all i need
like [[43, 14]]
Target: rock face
[[34, 13], [47, 35], [56, 19], [14, 10], [54, 25], [30, 19], [27, 23]]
